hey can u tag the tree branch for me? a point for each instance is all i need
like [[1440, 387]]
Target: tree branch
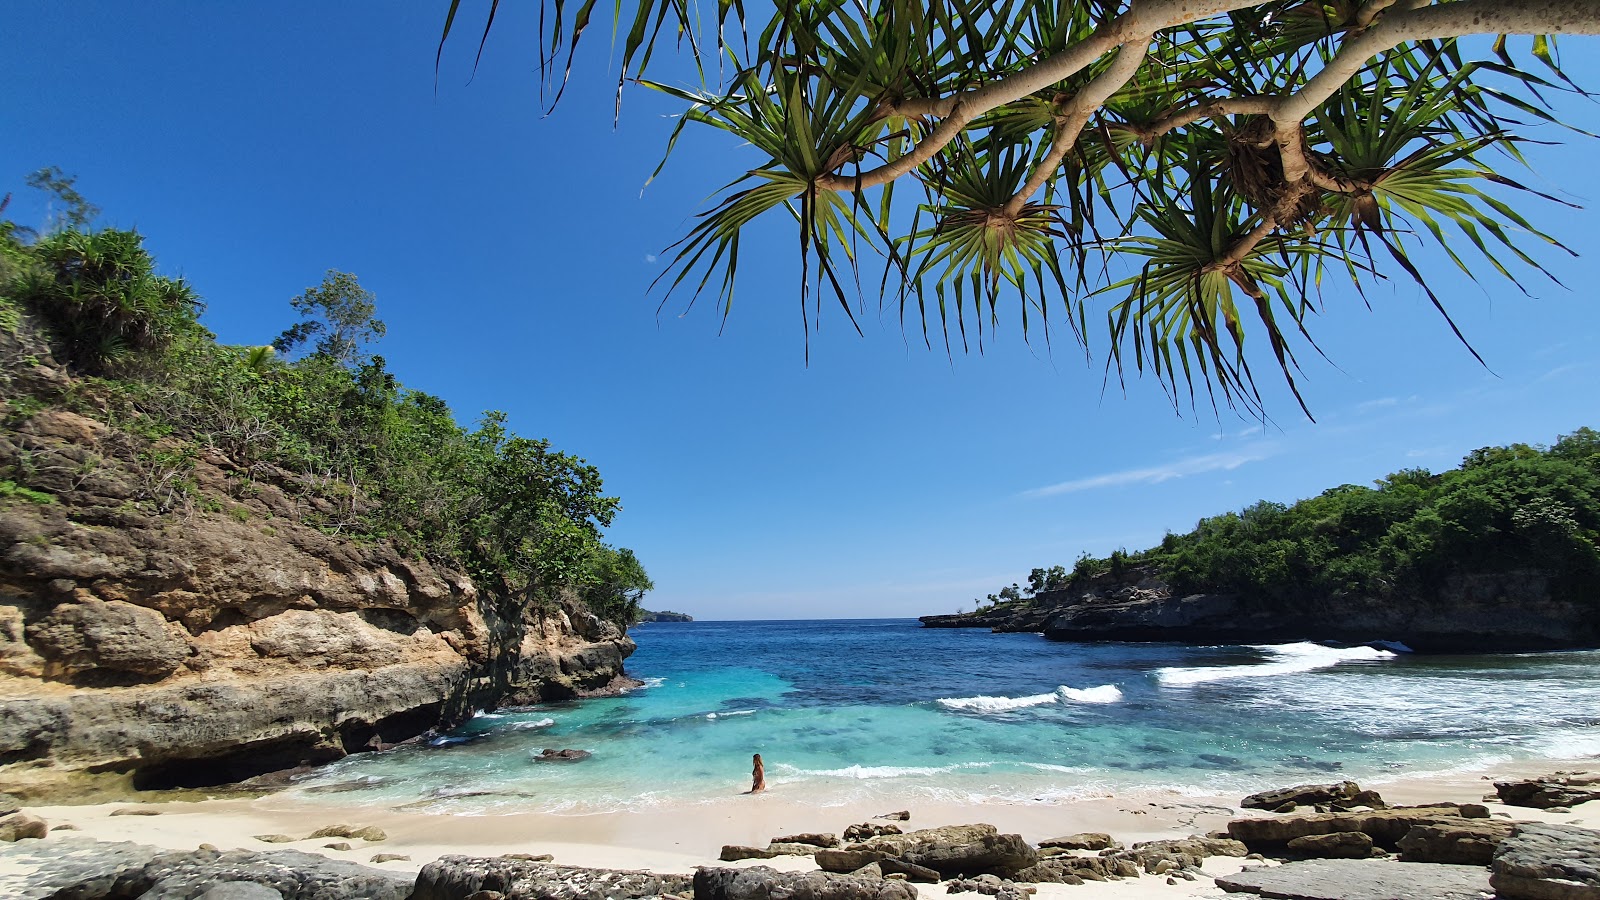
[[1211, 109], [1070, 121], [1142, 21]]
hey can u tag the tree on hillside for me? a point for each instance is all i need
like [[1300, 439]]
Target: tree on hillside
[[340, 314], [1193, 170]]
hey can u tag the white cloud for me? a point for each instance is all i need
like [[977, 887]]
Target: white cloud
[[1380, 403], [1194, 465], [649, 257]]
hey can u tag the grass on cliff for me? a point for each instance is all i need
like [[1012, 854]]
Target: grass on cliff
[[362, 455]]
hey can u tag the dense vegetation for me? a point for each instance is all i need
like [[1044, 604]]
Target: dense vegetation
[[1506, 508], [363, 455]]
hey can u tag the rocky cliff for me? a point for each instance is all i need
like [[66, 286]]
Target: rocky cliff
[[1505, 612], [222, 638]]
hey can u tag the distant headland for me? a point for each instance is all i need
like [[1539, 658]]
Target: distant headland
[[646, 615], [1497, 555]]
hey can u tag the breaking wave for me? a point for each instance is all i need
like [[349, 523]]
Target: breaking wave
[[1285, 659], [1105, 693]]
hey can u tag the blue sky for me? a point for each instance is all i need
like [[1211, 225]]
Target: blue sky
[[258, 145]]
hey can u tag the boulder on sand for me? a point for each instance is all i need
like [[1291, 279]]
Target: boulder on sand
[[1551, 792], [958, 849], [1087, 840], [1341, 795], [21, 826], [1339, 845], [813, 838]]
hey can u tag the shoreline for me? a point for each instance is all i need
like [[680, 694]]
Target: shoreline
[[680, 838]]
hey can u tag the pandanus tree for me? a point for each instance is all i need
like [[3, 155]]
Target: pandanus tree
[[1195, 171]]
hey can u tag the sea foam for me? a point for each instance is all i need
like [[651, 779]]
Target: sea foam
[[1105, 693], [1286, 659]]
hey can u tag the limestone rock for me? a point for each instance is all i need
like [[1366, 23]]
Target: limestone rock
[[240, 641], [91, 870], [992, 886], [135, 811], [1548, 862], [813, 838], [562, 756], [1553, 792], [903, 815], [734, 853], [843, 860], [1466, 842], [9, 804], [1302, 795], [910, 871], [240, 890], [21, 826], [763, 883], [364, 833], [1088, 840], [117, 637], [275, 838], [389, 857], [337, 845], [459, 877], [1361, 879], [1385, 826], [1187, 852], [1339, 845], [1077, 869], [782, 848], [955, 849], [869, 830]]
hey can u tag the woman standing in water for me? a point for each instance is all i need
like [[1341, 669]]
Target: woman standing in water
[[758, 776]]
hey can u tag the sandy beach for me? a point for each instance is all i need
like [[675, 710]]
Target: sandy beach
[[681, 838]]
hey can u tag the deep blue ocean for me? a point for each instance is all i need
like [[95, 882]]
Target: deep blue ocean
[[860, 709]]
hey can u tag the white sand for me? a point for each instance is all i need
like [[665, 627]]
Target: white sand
[[677, 840]]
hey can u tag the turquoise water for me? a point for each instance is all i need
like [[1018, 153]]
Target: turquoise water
[[864, 709]]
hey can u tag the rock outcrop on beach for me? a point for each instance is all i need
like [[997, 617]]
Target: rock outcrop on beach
[[92, 870], [1505, 612], [1351, 879], [1548, 862], [512, 878], [225, 637], [1550, 792]]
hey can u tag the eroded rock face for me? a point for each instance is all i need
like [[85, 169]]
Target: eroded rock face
[[202, 647], [955, 849], [1548, 862], [115, 637], [1385, 826], [1465, 842], [1550, 792], [1302, 795], [763, 883], [1352, 879], [91, 870], [459, 877]]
